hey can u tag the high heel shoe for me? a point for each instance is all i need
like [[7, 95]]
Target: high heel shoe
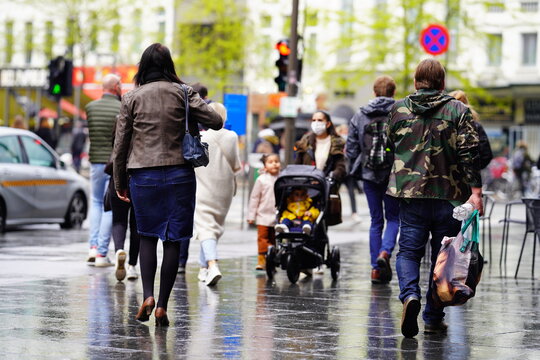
[[146, 309], [161, 317]]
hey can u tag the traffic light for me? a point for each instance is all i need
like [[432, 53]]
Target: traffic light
[[60, 77], [282, 64]]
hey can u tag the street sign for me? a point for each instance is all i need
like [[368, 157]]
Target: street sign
[[236, 105], [289, 105], [435, 39]]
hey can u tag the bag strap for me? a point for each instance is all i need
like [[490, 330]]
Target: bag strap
[[475, 235], [187, 106]]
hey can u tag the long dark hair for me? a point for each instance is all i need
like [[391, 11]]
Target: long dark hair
[[156, 59], [331, 130]]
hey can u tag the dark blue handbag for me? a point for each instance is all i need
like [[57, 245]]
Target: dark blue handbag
[[195, 151]]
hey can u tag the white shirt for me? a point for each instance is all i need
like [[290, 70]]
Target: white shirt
[[322, 150]]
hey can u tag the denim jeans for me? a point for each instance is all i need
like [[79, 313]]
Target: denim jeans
[[376, 198], [208, 252], [418, 218], [100, 221]]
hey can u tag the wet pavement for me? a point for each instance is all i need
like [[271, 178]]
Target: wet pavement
[[59, 308]]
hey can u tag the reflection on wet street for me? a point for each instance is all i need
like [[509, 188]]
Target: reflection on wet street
[[248, 317]]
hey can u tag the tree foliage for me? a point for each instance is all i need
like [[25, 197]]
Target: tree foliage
[[211, 41]]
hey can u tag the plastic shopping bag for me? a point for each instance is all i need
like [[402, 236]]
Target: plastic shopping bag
[[459, 266]]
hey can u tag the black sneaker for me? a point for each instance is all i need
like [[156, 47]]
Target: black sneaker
[[436, 328], [409, 318]]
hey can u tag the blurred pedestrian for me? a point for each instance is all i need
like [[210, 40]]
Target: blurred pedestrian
[[267, 142], [45, 132], [101, 115], [18, 123], [486, 155], [78, 142], [216, 186], [350, 181], [148, 147], [522, 165], [435, 168], [366, 141], [202, 91], [262, 206]]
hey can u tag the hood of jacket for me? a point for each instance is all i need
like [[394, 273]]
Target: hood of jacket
[[307, 142], [424, 101], [379, 106]]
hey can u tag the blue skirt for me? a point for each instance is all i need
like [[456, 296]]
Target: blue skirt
[[164, 201]]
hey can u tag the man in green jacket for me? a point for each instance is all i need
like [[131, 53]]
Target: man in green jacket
[[435, 168], [101, 115]]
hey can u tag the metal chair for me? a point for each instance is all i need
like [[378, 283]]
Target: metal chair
[[489, 204], [533, 222], [506, 229]]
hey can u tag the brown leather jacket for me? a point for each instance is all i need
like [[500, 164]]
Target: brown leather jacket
[[151, 127], [305, 155]]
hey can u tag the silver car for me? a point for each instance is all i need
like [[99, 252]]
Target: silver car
[[35, 186]]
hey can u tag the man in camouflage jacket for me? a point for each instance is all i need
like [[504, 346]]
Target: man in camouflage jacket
[[435, 168]]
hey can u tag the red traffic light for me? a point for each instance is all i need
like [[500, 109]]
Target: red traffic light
[[283, 48]]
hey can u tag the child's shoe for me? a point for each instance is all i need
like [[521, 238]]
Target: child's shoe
[[261, 262], [281, 228], [306, 229]]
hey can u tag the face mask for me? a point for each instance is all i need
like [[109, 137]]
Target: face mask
[[318, 127]]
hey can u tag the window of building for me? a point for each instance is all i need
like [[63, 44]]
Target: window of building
[[49, 40], [529, 6], [529, 49], [28, 42], [494, 49], [495, 7], [9, 41]]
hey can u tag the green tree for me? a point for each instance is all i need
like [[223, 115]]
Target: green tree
[[211, 41]]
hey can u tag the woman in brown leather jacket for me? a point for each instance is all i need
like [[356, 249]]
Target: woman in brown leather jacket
[[148, 148], [323, 147]]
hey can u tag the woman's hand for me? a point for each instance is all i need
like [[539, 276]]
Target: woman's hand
[[123, 195], [307, 214], [251, 222]]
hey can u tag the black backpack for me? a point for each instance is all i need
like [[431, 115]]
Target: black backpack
[[376, 154]]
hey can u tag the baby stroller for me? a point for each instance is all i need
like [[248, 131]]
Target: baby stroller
[[295, 250]]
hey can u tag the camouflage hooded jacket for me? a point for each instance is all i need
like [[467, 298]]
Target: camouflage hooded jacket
[[435, 146]]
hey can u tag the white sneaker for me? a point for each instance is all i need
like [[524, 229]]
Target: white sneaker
[[203, 272], [103, 261], [281, 228], [320, 270], [132, 273], [181, 269], [306, 229], [213, 275], [356, 218], [120, 267], [91, 259]]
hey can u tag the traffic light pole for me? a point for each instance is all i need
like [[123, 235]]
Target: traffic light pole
[[292, 88]]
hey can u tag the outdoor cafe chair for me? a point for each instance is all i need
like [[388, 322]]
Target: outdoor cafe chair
[[533, 222], [489, 204], [506, 228]]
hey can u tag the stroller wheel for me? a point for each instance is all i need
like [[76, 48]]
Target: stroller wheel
[[335, 263], [271, 262], [293, 271]]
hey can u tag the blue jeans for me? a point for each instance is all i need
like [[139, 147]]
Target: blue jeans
[[376, 198], [100, 221], [418, 218], [208, 252], [290, 224]]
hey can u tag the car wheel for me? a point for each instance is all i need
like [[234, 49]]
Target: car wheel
[[76, 212], [2, 217]]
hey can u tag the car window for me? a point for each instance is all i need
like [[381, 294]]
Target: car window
[[37, 153], [10, 151]]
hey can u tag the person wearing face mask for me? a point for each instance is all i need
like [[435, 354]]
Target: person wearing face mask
[[323, 148]]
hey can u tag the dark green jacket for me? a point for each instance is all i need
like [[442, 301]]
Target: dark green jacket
[[101, 115], [435, 147]]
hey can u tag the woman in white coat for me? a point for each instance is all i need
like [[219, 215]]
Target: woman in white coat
[[216, 186]]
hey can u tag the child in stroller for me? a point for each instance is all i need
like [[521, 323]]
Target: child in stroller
[[299, 214]]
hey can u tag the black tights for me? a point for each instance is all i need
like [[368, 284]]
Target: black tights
[[169, 267]]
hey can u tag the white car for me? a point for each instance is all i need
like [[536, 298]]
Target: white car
[[35, 185]]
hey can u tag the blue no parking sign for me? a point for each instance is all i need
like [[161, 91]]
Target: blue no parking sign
[[435, 39]]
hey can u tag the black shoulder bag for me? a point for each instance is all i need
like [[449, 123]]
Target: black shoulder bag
[[195, 151]]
